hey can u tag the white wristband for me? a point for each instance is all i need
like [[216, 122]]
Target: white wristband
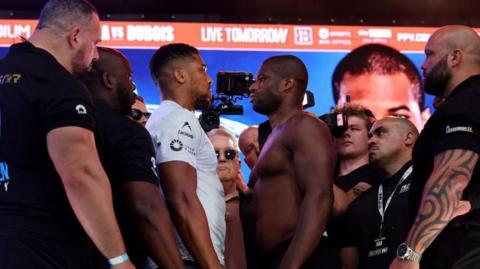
[[118, 259]]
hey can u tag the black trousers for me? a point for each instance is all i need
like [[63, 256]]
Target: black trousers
[[322, 257], [454, 248], [17, 252]]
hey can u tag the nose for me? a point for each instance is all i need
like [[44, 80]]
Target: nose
[[253, 87], [371, 141], [96, 56]]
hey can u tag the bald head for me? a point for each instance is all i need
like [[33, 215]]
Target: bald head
[[391, 143], [109, 59], [248, 144], [460, 37], [401, 125], [110, 79], [289, 66]]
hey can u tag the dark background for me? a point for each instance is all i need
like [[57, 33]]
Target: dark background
[[337, 12]]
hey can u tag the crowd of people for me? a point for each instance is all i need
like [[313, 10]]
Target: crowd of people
[[91, 179]]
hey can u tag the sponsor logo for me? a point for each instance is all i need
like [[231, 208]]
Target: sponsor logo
[[405, 188], [466, 129], [154, 166], [176, 145], [375, 33], [9, 78], [4, 175], [187, 134], [413, 37], [303, 35], [186, 124], [81, 109]]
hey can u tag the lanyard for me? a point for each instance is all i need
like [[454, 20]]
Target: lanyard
[[382, 210]]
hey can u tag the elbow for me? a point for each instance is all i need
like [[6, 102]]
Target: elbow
[[180, 205]]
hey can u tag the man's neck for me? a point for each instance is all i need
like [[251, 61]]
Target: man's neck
[[349, 165], [282, 115], [393, 167], [228, 186], [459, 78], [42, 39], [181, 100]]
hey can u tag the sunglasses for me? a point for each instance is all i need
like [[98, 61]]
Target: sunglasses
[[137, 114], [229, 154]]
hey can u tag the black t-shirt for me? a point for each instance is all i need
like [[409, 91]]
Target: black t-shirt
[[363, 219], [366, 173], [455, 125], [127, 154], [37, 95]]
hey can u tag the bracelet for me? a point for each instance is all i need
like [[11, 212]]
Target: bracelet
[[119, 259]]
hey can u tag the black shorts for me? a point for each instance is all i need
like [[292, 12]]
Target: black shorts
[[322, 257], [18, 252], [454, 248]]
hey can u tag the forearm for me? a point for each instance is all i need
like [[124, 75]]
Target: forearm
[[90, 196], [313, 218], [340, 203], [191, 223], [156, 231], [441, 199], [234, 246]]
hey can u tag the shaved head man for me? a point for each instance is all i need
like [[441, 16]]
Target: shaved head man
[[293, 189], [375, 229], [248, 144], [446, 233]]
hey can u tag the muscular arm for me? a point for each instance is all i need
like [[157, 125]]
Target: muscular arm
[[180, 181], [313, 160], [441, 196], [74, 155], [151, 219], [343, 199]]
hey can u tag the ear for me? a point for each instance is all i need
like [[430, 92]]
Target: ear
[[180, 75], [288, 84], [409, 139], [73, 37], [108, 81], [454, 58]]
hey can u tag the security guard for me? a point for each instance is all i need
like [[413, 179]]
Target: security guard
[[378, 220], [446, 189]]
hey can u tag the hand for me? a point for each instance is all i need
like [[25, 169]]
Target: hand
[[124, 265], [404, 264]]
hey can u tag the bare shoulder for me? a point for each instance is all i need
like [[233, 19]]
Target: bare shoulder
[[307, 123]]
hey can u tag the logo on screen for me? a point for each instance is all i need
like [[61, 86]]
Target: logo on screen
[[303, 35]]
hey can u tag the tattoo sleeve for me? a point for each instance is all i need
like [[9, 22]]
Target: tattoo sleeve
[[441, 196]]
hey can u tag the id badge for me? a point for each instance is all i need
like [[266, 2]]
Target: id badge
[[379, 245]]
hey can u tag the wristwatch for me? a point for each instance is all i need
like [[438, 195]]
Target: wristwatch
[[404, 252]]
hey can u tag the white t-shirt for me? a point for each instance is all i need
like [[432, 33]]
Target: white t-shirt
[[178, 136]]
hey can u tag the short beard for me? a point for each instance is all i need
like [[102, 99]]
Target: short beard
[[435, 82], [269, 104], [202, 103], [78, 67]]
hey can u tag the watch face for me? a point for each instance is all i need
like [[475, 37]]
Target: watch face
[[402, 250]]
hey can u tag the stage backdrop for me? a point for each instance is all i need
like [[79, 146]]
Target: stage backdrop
[[243, 47]]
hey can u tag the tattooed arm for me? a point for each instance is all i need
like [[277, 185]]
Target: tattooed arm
[[441, 199]]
